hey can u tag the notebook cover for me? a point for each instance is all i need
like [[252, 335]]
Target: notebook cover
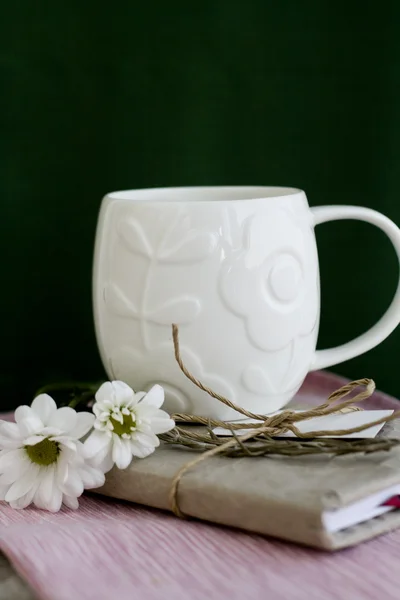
[[275, 496]]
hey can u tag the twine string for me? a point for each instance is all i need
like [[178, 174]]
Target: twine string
[[286, 417], [266, 426]]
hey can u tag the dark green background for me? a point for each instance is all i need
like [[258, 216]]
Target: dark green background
[[98, 96]]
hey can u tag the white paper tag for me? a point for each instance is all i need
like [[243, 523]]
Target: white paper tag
[[328, 423]]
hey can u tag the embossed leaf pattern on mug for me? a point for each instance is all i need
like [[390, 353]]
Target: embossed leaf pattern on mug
[[118, 303], [180, 310], [134, 237], [270, 282], [179, 243], [183, 309]]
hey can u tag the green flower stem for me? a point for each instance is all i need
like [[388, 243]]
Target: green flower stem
[[71, 393], [65, 386], [82, 399]]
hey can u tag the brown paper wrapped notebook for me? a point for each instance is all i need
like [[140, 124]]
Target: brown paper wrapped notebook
[[307, 500]]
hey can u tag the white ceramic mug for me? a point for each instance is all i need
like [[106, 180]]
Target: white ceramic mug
[[237, 269]]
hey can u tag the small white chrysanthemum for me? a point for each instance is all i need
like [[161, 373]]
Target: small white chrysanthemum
[[41, 457], [126, 425]]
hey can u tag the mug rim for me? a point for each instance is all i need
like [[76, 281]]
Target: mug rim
[[202, 194]]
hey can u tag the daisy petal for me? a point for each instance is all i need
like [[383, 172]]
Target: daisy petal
[[48, 431], [104, 463], [99, 425], [121, 453], [97, 409], [62, 468], [96, 442], [154, 397], [9, 443], [30, 427], [91, 478], [16, 470], [25, 500], [148, 439], [139, 450], [10, 435], [100, 456], [134, 401], [116, 444], [33, 440], [73, 485], [38, 501], [161, 424], [70, 501], [65, 441], [84, 423], [73, 456], [9, 458], [10, 430], [3, 491], [28, 421], [44, 406], [80, 451], [122, 392], [55, 502], [105, 393], [44, 494], [22, 486], [24, 412], [64, 418]]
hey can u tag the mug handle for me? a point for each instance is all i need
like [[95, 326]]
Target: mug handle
[[384, 327]]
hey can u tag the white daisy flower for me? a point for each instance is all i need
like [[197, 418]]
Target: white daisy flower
[[126, 425], [41, 457]]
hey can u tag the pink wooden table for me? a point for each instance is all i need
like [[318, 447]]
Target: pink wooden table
[[113, 550]]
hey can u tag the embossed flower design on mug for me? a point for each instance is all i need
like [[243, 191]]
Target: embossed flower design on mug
[[271, 283]]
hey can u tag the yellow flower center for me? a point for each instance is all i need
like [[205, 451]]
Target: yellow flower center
[[43, 453], [125, 426]]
